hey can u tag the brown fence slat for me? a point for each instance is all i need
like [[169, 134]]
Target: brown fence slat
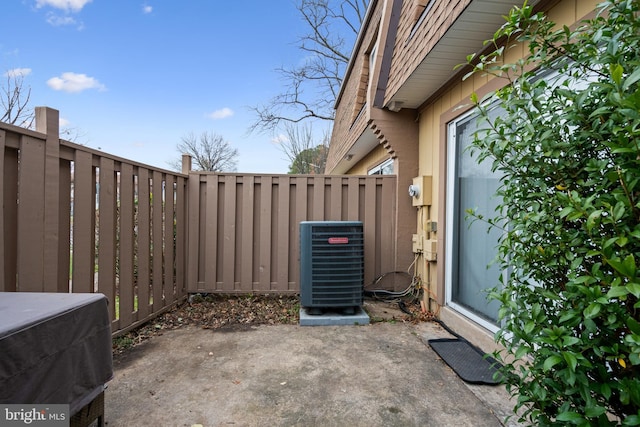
[[83, 223], [228, 232], [31, 216], [126, 278], [64, 233], [157, 278], [143, 220], [265, 227], [245, 262], [107, 208], [8, 196], [181, 234], [48, 122], [193, 233], [285, 236], [209, 255], [168, 241]]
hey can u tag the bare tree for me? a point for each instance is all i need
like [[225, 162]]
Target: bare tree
[[311, 88], [15, 98], [306, 155], [210, 152]]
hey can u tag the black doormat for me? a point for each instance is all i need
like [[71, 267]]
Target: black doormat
[[467, 361]]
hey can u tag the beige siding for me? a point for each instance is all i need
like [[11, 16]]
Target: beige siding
[[378, 155], [453, 102]]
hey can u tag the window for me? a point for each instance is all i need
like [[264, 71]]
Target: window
[[365, 81], [421, 10], [384, 168]]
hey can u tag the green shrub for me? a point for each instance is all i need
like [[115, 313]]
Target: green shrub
[[568, 153]]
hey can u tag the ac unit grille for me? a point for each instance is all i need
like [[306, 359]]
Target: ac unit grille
[[331, 264]]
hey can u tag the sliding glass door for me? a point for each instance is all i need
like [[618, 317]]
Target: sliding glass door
[[471, 245]]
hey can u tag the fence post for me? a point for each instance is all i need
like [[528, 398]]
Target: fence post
[[186, 164], [55, 277]]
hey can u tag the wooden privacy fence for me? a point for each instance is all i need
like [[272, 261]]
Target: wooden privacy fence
[[78, 220], [74, 219], [244, 229]]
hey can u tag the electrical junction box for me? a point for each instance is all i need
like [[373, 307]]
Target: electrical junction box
[[421, 194], [416, 240], [430, 248]]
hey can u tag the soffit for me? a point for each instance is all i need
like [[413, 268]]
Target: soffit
[[477, 23], [361, 147]]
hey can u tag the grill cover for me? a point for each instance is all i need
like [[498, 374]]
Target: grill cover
[[55, 348]]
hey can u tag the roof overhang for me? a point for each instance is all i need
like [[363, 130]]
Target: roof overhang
[[366, 142], [477, 23]]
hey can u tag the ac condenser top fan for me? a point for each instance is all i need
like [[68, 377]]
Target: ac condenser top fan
[[331, 265]]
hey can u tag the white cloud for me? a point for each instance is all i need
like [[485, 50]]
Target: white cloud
[[146, 9], [221, 114], [66, 5], [18, 72], [60, 21], [73, 82], [64, 122], [280, 139]]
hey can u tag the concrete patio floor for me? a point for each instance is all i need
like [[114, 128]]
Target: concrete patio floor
[[383, 374]]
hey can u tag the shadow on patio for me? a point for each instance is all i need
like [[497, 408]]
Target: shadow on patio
[[383, 374]]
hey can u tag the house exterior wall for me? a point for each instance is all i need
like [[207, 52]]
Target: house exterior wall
[[352, 117], [452, 102], [374, 158], [416, 37]]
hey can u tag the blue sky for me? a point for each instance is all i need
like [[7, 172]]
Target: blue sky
[[133, 77]]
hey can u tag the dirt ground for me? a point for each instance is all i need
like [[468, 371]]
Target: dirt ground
[[237, 312]]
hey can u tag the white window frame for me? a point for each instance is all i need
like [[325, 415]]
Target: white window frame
[[380, 168], [448, 272]]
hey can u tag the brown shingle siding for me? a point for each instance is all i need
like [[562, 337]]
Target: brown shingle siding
[[350, 122], [414, 43]]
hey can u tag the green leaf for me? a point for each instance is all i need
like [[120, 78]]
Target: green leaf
[[627, 267], [618, 211], [633, 325], [551, 361], [522, 351], [605, 390], [594, 411], [634, 77], [591, 220], [571, 360], [569, 341], [572, 417], [634, 288], [529, 327], [617, 291], [592, 310], [616, 73], [632, 420]]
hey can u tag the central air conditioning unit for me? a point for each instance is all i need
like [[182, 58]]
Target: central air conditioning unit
[[331, 265]]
